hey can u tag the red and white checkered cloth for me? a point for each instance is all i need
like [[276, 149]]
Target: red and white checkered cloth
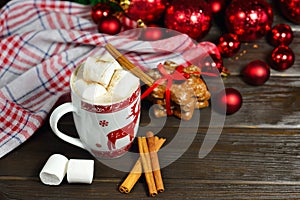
[[42, 41]]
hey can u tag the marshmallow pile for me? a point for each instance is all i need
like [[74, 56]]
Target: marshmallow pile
[[102, 80]]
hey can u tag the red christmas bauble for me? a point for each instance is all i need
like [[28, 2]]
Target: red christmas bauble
[[146, 10], [231, 98], [282, 58], [250, 20], [110, 25], [290, 9], [256, 72], [280, 34], [217, 5], [190, 17], [228, 44], [100, 10], [152, 34], [212, 64]]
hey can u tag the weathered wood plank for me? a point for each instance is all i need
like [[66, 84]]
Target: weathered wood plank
[[261, 50], [240, 154], [175, 189], [243, 160], [247, 155], [274, 104], [256, 156]]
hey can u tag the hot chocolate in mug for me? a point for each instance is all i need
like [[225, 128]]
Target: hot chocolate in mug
[[106, 125]]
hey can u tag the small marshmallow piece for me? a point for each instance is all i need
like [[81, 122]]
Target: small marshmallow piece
[[93, 92], [108, 57], [122, 84], [80, 171], [79, 86], [54, 170], [98, 70]]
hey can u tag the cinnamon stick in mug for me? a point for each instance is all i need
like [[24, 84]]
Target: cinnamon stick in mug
[[126, 64]]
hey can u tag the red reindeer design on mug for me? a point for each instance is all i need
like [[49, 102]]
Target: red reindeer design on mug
[[127, 130]]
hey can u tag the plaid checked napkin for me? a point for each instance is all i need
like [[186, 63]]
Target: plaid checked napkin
[[42, 41]]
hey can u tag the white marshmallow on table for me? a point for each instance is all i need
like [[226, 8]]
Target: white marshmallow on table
[[99, 70], [54, 170], [122, 84], [80, 171]]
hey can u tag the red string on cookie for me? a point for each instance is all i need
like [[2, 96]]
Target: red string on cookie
[[176, 75]]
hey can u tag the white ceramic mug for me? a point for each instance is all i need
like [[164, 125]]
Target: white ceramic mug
[[106, 130]]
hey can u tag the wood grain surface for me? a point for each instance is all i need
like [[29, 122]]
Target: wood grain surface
[[256, 157]]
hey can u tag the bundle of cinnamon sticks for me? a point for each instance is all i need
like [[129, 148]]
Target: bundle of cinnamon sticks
[[147, 163]]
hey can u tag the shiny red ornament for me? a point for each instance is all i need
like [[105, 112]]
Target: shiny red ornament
[[217, 5], [290, 9], [231, 98], [212, 64], [110, 25], [146, 10], [152, 34], [280, 34], [282, 58], [256, 72], [228, 44], [100, 10], [250, 20], [190, 17]]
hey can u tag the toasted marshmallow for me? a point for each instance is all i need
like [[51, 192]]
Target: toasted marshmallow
[[122, 84], [79, 86], [108, 57], [99, 70], [93, 92]]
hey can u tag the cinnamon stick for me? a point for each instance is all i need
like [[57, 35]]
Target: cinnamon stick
[[136, 171], [155, 162], [127, 65], [132, 178], [146, 163]]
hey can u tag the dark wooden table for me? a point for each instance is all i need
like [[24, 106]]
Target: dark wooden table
[[256, 157]]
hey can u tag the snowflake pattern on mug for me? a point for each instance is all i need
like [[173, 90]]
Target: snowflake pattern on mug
[[103, 123]]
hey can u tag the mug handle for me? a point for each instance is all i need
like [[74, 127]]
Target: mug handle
[[54, 118]]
